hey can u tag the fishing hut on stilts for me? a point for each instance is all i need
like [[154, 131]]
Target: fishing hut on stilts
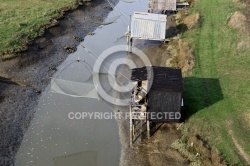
[[156, 98]]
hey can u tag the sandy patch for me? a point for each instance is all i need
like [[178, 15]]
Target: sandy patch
[[238, 21]]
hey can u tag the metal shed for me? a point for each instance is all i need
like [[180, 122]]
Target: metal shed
[[162, 5], [148, 26]]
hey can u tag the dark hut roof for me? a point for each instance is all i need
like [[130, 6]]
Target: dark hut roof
[[164, 78]]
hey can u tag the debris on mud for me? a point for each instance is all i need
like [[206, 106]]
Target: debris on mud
[[91, 33], [108, 7], [54, 22], [78, 39], [70, 49]]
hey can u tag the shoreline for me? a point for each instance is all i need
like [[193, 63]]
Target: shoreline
[[53, 21]]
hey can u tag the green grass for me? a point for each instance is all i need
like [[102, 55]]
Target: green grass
[[21, 21], [218, 105]]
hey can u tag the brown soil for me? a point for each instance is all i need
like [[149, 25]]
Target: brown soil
[[208, 155], [158, 151], [198, 151], [24, 78], [245, 1]]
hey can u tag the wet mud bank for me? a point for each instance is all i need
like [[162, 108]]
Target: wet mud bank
[[23, 79]]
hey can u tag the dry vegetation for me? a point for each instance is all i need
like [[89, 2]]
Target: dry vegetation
[[179, 49], [182, 56], [157, 151], [238, 21], [192, 20], [198, 151]]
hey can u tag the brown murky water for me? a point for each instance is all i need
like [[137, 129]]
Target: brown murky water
[[55, 139]]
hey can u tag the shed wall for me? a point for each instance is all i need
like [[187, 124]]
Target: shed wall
[[164, 102], [162, 4]]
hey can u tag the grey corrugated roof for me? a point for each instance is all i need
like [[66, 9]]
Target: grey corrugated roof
[[148, 26]]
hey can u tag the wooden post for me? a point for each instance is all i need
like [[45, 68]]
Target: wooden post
[[148, 129], [141, 123], [131, 127], [131, 44], [128, 38]]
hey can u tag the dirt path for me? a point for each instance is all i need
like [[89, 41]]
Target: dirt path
[[240, 150], [24, 78]]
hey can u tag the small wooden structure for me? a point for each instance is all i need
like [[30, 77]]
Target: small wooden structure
[[159, 103], [161, 5], [166, 5], [147, 26]]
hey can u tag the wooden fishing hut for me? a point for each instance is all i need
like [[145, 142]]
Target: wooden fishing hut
[[156, 98]]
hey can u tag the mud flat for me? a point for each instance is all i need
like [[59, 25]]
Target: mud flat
[[24, 78]]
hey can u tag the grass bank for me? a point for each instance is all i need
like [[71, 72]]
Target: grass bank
[[22, 21], [217, 94]]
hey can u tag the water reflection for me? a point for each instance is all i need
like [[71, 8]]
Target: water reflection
[[54, 139]]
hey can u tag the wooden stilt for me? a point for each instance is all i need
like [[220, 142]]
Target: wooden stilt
[[131, 128], [141, 123], [148, 129], [128, 38], [131, 44]]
